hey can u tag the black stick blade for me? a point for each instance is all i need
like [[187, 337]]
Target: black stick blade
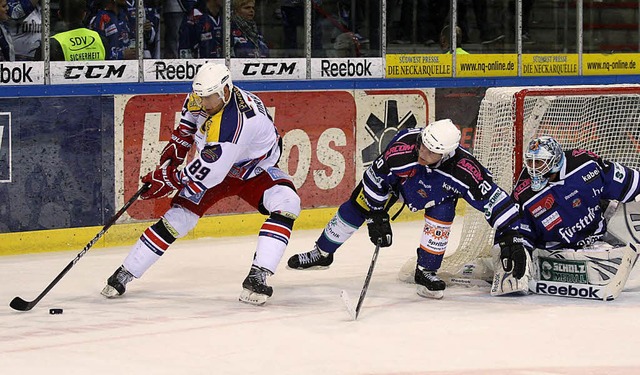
[[20, 304]]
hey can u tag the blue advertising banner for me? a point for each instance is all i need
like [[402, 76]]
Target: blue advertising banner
[[5, 147], [56, 162]]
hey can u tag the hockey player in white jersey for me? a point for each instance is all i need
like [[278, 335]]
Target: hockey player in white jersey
[[238, 150], [430, 171], [563, 197]]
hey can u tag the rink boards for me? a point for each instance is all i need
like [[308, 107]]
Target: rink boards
[[70, 157]]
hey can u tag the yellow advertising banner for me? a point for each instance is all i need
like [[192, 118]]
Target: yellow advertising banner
[[487, 65], [619, 63], [549, 65], [418, 66]]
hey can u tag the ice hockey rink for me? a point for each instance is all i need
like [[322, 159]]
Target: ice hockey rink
[[183, 317]]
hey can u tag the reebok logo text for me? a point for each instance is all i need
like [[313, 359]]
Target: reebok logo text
[[15, 74], [346, 69], [567, 290]]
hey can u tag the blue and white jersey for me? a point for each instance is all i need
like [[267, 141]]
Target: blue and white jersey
[[567, 213], [240, 141], [458, 174]]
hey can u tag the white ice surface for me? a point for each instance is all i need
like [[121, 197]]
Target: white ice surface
[[183, 317]]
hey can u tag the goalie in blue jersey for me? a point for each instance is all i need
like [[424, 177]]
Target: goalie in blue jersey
[[578, 213]]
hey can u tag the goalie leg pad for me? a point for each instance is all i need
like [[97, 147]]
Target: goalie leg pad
[[503, 282], [624, 221], [608, 269]]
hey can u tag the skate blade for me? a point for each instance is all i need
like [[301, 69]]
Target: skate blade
[[426, 293], [312, 268], [110, 292], [252, 298]]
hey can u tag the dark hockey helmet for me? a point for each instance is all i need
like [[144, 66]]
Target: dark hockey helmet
[[543, 158]]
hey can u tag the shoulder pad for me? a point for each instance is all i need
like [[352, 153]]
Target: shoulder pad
[[576, 158], [194, 104]]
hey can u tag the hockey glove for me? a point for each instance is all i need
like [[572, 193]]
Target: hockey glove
[[379, 228], [513, 256], [161, 182], [177, 148]]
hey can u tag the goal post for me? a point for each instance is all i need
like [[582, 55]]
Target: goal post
[[604, 119]]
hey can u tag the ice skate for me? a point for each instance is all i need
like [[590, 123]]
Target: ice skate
[[116, 284], [429, 284], [255, 289], [314, 259]]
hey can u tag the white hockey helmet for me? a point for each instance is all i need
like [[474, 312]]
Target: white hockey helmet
[[543, 158], [212, 79], [441, 136]]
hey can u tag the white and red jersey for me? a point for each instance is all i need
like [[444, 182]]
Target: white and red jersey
[[240, 141]]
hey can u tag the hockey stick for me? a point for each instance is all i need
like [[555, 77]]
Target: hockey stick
[[21, 305], [345, 297]]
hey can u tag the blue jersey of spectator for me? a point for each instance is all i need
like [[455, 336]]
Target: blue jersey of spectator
[[112, 23], [201, 31], [151, 26]]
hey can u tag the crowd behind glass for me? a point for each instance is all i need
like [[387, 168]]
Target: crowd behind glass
[[323, 28]]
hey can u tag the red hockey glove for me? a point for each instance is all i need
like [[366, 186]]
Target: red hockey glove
[[177, 148], [162, 182]]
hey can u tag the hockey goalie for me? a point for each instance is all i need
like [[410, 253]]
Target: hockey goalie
[[579, 220]]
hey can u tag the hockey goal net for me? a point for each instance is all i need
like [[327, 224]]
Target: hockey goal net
[[602, 119]]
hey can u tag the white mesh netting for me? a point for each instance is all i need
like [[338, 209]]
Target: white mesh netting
[[602, 119]]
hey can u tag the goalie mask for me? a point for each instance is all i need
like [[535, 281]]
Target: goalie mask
[[441, 137], [212, 79], [543, 158]]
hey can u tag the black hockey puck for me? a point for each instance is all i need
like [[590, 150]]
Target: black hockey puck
[[55, 311]]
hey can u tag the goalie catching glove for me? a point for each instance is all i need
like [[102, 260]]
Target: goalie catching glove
[[513, 255], [379, 228], [177, 149], [161, 182]]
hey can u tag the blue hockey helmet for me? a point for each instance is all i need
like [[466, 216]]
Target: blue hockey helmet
[[543, 158]]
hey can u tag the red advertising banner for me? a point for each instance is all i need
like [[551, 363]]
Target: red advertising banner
[[318, 130]]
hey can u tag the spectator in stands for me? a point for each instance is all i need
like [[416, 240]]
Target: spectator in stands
[[292, 12], [25, 26], [63, 46], [6, 43], [347, 45], [445, 41], [488, 34], [246, 40], [112, 22], [173, 14], [151, 26], [201, 31]]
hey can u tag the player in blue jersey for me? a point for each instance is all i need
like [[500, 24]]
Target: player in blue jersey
[[238, 150], [429, 171], [563, 198]]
